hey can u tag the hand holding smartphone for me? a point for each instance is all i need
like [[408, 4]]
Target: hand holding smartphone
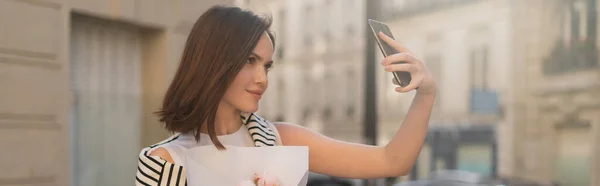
[[402, 77]]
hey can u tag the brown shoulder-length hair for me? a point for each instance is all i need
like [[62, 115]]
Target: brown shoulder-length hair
[[216, 50]]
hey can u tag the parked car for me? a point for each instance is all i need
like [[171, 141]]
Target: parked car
[[512, 181], [452, 178], [315, 179], [465, 178]]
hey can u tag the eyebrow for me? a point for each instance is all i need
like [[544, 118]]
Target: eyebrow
[[257, 56], [260, 58]]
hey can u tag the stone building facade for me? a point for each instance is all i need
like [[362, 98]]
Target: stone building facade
[[319, 68], [80, 80]]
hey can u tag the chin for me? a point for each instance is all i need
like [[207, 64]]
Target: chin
[[250, 108]]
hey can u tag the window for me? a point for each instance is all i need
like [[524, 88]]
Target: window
[[350, 111], [330, 95], [350, 30], [578, 20], [391, 96], [280, 117], [308, 26], [573, 156], [350, 18], [576, 49], [398, 4], [280, 98], [395, 6], [433, 62], [483, 99], [479, 64], [350, 93], [305, 115], [327, 113], [280, 52], [328, 87], [308, 98], [325, 27], [281, 89], [281, 34]]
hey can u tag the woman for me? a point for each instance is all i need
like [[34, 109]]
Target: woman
[[222, 76]]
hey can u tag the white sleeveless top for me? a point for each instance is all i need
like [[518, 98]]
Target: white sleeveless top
[[240, 138], [155, 171]]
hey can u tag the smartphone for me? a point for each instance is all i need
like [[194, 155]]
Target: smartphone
[[402, 77]]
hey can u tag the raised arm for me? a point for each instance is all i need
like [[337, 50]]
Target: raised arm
[[342, 159]]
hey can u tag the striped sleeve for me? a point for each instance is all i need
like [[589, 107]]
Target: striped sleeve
[[260, 132], [154, 171]]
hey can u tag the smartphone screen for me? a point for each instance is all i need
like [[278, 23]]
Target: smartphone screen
[[403, 78]]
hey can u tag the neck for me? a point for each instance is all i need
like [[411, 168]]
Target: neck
[[227, 120]]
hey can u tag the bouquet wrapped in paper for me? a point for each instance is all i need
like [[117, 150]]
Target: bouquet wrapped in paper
[[282, 165]]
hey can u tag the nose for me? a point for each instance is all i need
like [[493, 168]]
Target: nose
[[260, 75]]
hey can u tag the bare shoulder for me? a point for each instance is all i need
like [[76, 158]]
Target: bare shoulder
[[292, 134], [162, 153], [284, 127]]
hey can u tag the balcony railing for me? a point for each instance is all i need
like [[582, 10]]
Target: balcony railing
[[412, 7], [484, 102]]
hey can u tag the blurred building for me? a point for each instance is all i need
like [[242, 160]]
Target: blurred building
[[466, 46], [80, 80], [318, 74], [517, 81], [557, 130], [528, 70]]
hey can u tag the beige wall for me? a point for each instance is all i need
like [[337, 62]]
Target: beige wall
[[455, 32], [33, 101], [543, 101], [155, 80], [596, 150], [34, 76], [451, 33], [325, 63]]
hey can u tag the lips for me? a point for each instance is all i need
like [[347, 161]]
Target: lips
[[256, 93]]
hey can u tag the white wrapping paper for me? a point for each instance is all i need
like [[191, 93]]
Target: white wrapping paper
[[207, 166]]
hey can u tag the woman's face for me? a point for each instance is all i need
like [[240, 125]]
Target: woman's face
[[251, 82]]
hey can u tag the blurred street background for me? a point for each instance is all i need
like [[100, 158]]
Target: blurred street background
[[518, 101]]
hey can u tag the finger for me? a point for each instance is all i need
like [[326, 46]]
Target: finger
[[399, 57], [400, 67], [261, 182], [387, 39], [414, 83]]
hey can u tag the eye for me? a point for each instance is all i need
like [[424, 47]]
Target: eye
[[251, 60], [268, 66]]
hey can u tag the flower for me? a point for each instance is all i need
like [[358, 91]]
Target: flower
[[266, 179]]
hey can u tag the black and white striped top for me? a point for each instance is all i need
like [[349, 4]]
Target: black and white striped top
[[154, 171]]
